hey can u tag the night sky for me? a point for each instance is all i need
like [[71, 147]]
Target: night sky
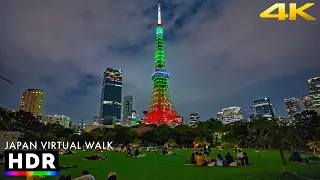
[[219, 53]]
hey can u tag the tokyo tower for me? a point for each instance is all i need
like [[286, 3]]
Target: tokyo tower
[[161, 110]]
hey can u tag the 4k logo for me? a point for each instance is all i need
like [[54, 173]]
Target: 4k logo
[[292, 16]]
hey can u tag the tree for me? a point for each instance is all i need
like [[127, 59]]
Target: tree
[[170, 143], [308, 126], [285, 136], [315, 146]]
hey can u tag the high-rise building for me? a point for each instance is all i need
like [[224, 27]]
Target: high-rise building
[[32, 101], [161, 110], [220, 116], [60, 119], [194, 119], [314, 90], [81, 126], [293, 106], [110, 105], [134, 114], [264, 108], [314, 85], [96, 121], [307, 101], [127, 107], [232, 114]]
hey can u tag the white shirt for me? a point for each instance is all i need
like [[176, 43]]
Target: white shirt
[[86, 177], [240, 155]]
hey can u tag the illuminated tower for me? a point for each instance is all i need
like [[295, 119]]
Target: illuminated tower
[[161, 110]]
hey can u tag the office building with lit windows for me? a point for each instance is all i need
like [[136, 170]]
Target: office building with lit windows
[[32, 101], [111, 95], [314, 91], [56, 119], [96, 121], [307, 101], [264, 108], [127, 110], [81, 128], [293, 106], [194, 119], [231, 114]]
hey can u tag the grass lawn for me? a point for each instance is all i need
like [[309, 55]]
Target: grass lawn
[[264, 166]]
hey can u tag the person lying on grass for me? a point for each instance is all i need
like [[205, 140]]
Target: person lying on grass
[[165, 151], [96, 157], [67, 166], [85, 176]]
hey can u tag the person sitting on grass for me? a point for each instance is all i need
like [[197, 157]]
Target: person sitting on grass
[[129, 152], [36, 178], [229, 161], [136, 153], [239, 156], [245, 159], [125, 149], [92, 157], [112, 176], [85, 176], [193, 158], [199, 159], [165, 150], [219, 161], [207, 158], [96, 157]]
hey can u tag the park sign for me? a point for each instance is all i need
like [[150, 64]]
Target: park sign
[[31, 163]]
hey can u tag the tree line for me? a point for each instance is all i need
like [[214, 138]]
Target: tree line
[[302, 132]]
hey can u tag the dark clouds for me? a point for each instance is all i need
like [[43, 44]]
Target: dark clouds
[[219, 53]]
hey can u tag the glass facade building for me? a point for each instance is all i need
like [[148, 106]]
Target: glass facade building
[[293, 106], [307, 101], [314, 90], [194, 119], [231, 114], [264, 108], [111, 95]]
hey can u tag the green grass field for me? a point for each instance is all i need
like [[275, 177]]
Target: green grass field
[[264, 166]]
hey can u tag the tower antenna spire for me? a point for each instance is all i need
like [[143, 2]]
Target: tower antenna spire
[[159, 14]]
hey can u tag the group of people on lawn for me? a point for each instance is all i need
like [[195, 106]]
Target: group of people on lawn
[[87, 176], [204, 159], [84, 176]]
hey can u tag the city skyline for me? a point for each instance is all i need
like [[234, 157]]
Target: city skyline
[[65, 57]]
